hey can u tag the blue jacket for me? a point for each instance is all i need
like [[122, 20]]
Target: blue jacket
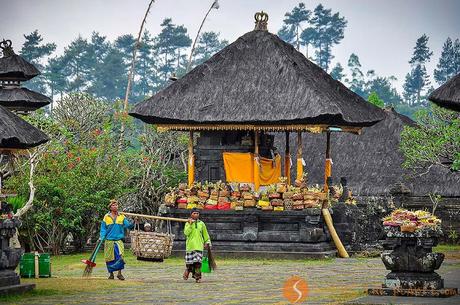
[[116, 231]]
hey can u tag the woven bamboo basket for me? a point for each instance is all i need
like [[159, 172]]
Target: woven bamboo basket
[[152, 244]]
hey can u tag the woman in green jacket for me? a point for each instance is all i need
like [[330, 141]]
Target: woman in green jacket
[[197, 239]]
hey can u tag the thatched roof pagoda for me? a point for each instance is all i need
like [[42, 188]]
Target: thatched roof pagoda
[[257, 82], [13, 70], [14, 67], [22, 99], [15, 133], [372, 161], [448, 95]]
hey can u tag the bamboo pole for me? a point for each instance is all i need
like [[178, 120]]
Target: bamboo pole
[[154, 217], [299, 157], [131, 76], [330, 225], [191, 161], [287, 160], [214, 5]]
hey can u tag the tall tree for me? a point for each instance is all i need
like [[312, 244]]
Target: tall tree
[[329, 30], [418, 79], [110, 81], [35, 51], [308, 38], [98, 47], [384, 89], [293, 21], [169, 42], [449, 62], [77, 63], [55, 76], [287, 34], [145, 74], [208, 44], [337, 72], [357, 81]]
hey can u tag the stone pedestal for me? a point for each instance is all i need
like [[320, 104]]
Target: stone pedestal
[[9, 260], [412, 263]]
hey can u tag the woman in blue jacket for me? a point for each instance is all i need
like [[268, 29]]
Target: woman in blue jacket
[[113, 231]]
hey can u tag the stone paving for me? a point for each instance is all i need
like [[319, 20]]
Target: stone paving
[[247, 282]]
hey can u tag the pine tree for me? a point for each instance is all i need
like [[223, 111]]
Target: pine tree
[[77, 64], [293, 21], [357, 82], [418, 79], [171, 40], [337, 72], [111, 79], [456, 62], [446, 67], [329, 30], [34, 51], [208, 45], [55, 76], [287, 34], [145, 74], [384, 88], [308, 38]]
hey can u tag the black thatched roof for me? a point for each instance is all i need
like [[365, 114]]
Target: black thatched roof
[[448, 95], [15, 133], [372, 161], [22, 99], [14, 67], [258, 79]]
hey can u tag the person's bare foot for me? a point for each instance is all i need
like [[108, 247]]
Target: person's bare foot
[[186, 274]]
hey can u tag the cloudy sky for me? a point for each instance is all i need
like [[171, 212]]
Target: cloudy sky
[[381, 33]]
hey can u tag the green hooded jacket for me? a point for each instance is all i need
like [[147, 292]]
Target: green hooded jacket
[[196, 236]]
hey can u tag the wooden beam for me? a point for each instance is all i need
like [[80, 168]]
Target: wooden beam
[[299, 157], [287, 160], [256, 162], [191, 161], [328, 163]]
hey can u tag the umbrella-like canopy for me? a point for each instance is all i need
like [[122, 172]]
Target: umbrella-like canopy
[[448, 95], [14, 67], [22, 99], [15, 133], [258, 79]]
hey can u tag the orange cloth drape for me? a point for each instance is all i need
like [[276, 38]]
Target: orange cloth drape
[[299, 169], [327, 172], [241, 168]]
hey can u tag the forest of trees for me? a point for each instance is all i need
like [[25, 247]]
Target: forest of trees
[[100, 67]]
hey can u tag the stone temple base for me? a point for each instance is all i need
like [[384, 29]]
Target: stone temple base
[[413, 280], [10, 283], [439, 293], [413, 284], [16, 289]]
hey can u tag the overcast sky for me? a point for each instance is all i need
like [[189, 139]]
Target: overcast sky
[[381, 33]]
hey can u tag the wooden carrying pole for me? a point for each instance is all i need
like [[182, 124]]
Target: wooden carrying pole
[[299, 157], [256, 162], [154, 217], [191, 161], [287, 160], [328, 164]]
